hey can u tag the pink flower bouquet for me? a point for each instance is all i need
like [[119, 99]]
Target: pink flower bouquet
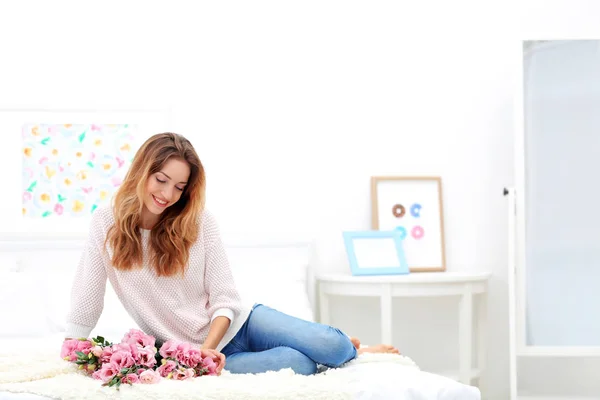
[[137, 360]]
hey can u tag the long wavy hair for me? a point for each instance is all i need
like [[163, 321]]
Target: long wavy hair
[[178, 226]]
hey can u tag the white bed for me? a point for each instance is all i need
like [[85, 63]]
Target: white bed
[[35, 274], [377, 379]]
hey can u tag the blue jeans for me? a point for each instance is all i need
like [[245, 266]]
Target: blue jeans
[[270, 340]]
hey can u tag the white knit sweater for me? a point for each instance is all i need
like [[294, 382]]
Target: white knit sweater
[[164, 307]]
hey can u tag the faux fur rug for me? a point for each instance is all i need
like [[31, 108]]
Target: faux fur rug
[[48, 375]]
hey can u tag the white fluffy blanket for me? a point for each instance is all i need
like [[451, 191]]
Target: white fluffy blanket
[[45, 374]]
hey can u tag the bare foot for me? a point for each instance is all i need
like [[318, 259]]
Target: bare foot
[[380, 348], [355, 342]]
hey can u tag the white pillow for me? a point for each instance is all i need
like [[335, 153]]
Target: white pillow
[[39, 298], [25, 309], [114, 321], [279, 285], [47, 277]]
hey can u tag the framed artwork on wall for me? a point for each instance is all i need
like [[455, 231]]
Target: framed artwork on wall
[[67, 163], [413, 206]]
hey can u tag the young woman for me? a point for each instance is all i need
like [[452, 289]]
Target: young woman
[[163, 255]]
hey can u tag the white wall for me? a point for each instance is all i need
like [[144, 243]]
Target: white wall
[[293, 106]]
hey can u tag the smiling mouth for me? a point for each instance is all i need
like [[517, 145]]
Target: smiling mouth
[[159, 202]]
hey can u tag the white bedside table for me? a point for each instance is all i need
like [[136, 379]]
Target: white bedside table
[[421, 284]]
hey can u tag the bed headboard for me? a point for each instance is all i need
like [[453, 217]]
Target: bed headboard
[[274, 269]]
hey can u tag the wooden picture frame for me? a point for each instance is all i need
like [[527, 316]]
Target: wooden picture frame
[[412, 205]]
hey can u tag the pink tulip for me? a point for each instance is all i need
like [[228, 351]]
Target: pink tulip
[[149, 376], [168, 367], [169, 348], [97, 351], [131, 348], [106, 373], [137, 337], [190, 373], [130, 378], [107, 353], [146, 357], [69, 347], [191, 358], [210, 365], [85, 346], [122, 359]]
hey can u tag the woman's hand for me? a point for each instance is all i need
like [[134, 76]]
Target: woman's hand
[[218, 358]]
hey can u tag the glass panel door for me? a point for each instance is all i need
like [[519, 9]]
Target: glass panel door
[[562, 185]]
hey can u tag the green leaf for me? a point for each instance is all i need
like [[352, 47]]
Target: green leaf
[[81, 137], [158, 358], [90, 164], [116, 381], [46, 213], [45, 141], [103, 342], [61, 198], [32, 186], [81, 354], [94, 207]]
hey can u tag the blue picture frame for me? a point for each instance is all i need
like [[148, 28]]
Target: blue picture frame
[[399, 268]]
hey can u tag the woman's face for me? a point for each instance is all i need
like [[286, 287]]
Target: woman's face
[[164, 188]]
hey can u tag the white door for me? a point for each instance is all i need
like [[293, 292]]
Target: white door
[[558, 204]]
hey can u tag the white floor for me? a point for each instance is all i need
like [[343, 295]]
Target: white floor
[[556, 398], [20, 396]]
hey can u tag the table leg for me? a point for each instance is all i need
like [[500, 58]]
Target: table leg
[[324, 307], [386, 314], [465, 336], [482, 334]]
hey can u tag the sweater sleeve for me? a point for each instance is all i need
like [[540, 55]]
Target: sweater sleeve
[[223, 297], [89, 283]]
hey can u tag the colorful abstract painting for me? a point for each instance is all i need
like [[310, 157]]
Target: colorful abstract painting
[[71, 169]]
